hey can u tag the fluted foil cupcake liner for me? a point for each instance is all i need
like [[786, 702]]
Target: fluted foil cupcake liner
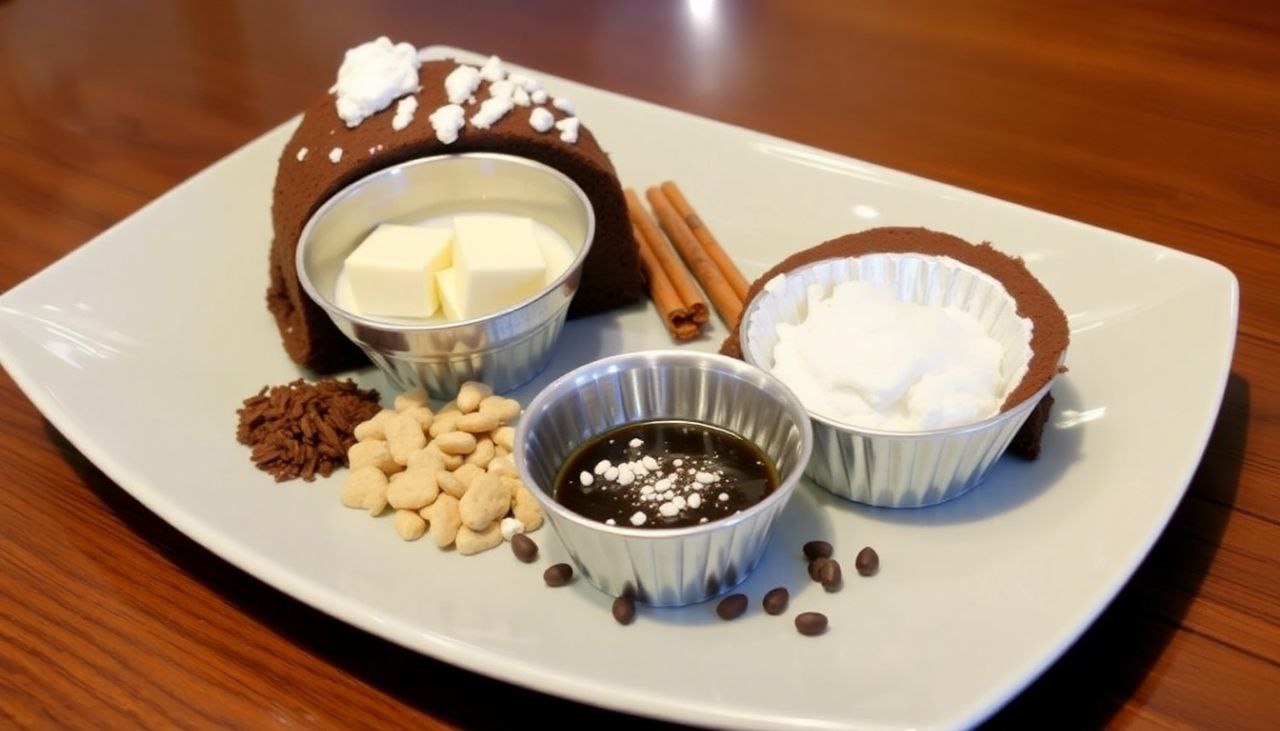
[[663, 566], [890, 468]]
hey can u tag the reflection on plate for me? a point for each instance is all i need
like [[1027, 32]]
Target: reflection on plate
[[141, 344]]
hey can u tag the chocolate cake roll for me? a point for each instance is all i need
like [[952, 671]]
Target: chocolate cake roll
[[310, 171]]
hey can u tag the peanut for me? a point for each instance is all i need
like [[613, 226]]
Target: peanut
[[476, 423], [450, 461], [483, 454], [409, 525], [502, 409], [448, 474], [470, 396], [504, 466], [443, 423], [375, 500], [443, 519], [411, 398], [513, 485], [412, 490], [372, 452], [359, 483], [526, 510], [450, 484], [486, 500], [505, 437], [404, 435], [467, 474], [425, 460], [373, 428], [455, 442], [423, 416], [471, 541]]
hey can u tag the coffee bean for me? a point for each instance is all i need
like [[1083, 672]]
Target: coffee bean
[[524, 548], [558, 575], [815, 568], [624, 609], [867, 562], [817, 549], [732, 606], [811, 623], [830, 575], [775, 602]]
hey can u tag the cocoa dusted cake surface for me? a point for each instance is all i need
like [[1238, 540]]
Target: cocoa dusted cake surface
[[1049, 336], [611, 274]]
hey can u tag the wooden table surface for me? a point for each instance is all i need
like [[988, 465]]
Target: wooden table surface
[[1155, 118]]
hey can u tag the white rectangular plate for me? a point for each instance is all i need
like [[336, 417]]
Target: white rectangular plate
[[140, 346]]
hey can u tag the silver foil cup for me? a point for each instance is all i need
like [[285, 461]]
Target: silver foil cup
[[663, 566], [504, 349], [893, 468]]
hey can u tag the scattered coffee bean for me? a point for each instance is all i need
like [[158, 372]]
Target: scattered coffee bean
[[524, 548], [732, 606], [775, 602], [830, 575], [811, 623], [867, 562], [817, 549], [624, 609], [558, 575], [815, 568]]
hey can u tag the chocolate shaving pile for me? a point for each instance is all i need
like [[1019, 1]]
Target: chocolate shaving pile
[[304, 429]]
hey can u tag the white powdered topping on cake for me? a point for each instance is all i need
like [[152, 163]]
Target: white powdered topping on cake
[[404, 113], [491, 110], [568, 129], [372, 75], [501, 89], [505, 92], [447, 121], [528, 83], [335, 154], [541, 120], [461, 83], [493, 70], [302, 154]]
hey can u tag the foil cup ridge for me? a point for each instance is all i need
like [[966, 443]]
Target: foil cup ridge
[[900, 469]]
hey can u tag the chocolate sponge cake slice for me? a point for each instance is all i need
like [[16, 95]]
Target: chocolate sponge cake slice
[[324, 155]]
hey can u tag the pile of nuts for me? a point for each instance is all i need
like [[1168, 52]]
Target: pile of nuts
[[447, 474]]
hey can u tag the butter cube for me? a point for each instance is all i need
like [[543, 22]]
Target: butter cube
[[447, 286], [497, 262], [555, 252], [393, 271]]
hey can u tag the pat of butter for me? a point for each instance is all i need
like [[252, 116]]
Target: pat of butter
[[447, 286], [393, 271], [497, 261]]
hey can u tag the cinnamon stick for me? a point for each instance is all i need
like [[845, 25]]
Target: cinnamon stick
[[677, 318], [667, 259], [713, 282], [708, 241]]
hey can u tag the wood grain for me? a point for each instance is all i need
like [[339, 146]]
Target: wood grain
[[1159, 119]]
